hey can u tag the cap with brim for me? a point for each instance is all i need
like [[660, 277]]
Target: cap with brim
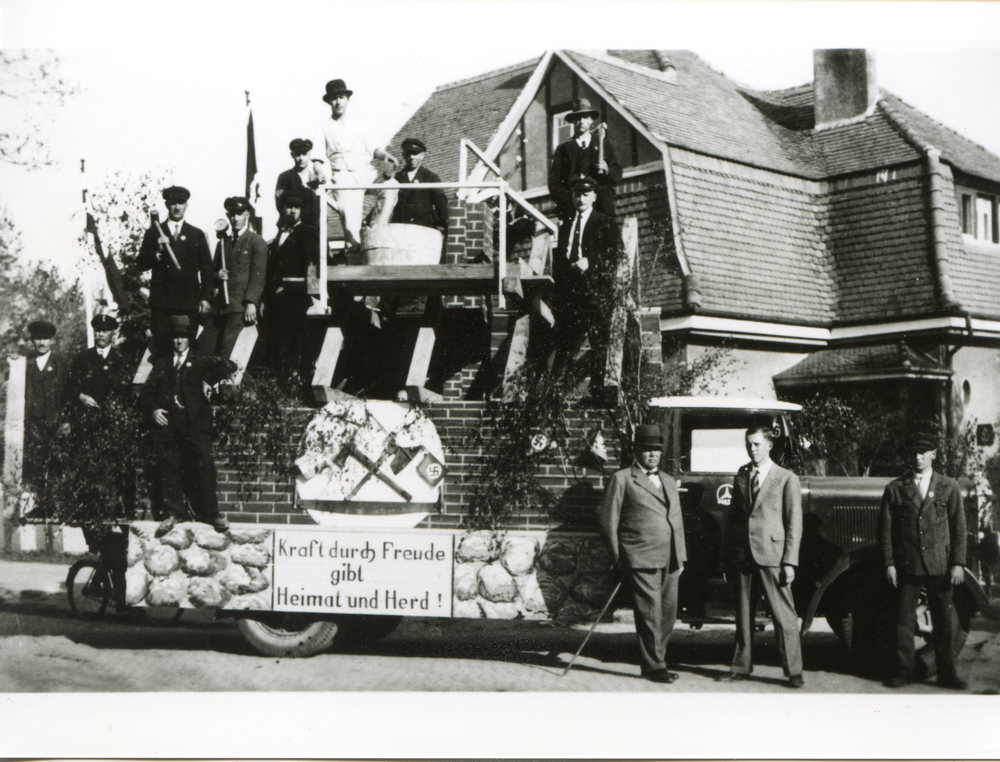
[[414, 145], [922, 441], [300, 146], [181, 325], [175, 194], [103, 323], [648, 435], [336, 87], [581, 107], [41, 329], [583, 183], [237, 205], [291, 198]]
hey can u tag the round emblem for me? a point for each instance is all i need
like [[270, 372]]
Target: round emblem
[[724, 495], [539, 442]]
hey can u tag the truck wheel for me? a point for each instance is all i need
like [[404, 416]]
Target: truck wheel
[[868, 628], [288, 635], [361, 630]]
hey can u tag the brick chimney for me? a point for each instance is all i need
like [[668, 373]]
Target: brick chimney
[[844, 84]]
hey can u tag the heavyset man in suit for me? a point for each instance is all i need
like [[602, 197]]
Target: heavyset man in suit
[[922, 537], [240, 263], [761, 550], [44, 390], [174, 401], [181, 288], [427, 207], [580, 156], [641, 520]]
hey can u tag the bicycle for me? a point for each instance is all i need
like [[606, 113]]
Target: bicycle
[[90, 587]]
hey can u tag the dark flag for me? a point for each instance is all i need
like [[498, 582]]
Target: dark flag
[[252, 186]]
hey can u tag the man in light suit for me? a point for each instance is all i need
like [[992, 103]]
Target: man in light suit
[[240, 263], [761, 548], [641, 520], [922, 536]]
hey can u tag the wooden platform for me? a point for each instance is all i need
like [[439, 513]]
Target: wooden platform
[[458, 280]]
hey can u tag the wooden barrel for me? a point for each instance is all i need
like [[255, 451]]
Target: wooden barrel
[[400, 244]]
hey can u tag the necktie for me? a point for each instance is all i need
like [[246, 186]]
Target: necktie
[[574, 252], [754, 487]]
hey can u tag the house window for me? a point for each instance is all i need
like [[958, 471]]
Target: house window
[[979, 217], [968, 218], [561, 129]]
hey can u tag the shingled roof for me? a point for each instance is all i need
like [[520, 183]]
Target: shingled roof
[[860, 364]]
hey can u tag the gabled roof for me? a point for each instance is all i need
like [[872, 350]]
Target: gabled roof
[[860, 364]]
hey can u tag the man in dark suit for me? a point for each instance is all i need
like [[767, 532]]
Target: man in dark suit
[[174, 400], [181, 264], [922, 537], [285, 304], [583, 269], [240, 263], [641, 520], [96, 373], [299, 179], [760, 548], [580, 156], [419, 207], [44, 390]]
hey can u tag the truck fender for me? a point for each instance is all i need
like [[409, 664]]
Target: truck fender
[[842, 564], [983, 603]]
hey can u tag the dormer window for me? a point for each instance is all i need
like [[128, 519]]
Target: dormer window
[[979, 217]]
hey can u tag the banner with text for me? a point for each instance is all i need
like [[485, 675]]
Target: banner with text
[[403, 574]]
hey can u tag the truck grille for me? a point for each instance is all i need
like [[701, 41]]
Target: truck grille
[[855, 526]]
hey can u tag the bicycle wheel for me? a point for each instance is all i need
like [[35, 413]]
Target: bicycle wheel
[[89, 588]]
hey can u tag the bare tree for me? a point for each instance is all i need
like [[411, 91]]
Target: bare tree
[[30, 90]]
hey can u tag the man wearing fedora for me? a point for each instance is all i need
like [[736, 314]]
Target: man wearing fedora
[[581, 156], [922, 537], [414, 206], [299, 178], [240, 263], [760, 548], [44, 390], [174, 401], [181, 265], [640, 518], [342, 153]]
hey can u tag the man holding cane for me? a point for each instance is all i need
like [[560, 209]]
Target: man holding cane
[[641, 520]]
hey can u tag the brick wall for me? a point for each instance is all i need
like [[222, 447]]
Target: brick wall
[[577, 490]]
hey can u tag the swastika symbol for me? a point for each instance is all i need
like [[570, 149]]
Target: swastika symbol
[[434, 471]]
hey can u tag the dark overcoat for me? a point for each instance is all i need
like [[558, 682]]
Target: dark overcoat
[[569, 161], [44, 391], [246, 261], [427, 207], [170, 289], [191, 414], [96, 376]]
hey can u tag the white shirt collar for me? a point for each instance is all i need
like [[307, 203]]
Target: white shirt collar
[[184, 355], [103, 352], [42, 360], [584, 140], [764, 469]]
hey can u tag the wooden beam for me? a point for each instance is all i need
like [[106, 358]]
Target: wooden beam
[[518, 351], [145, 366], [13, 452], [421, 360], [242, 350], [326, 363]]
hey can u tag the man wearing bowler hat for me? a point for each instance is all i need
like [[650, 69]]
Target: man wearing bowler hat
[[342, 153], [641, 520], [581, 156], [174, 401], [181, 264], [299, 178], [240, 264], [419, 207], [922, 536], [44, 389]]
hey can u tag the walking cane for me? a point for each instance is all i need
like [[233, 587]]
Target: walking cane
[[592, 628], [221, 226], [155, 217]]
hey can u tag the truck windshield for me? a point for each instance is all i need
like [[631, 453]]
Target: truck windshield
[[713, 441]]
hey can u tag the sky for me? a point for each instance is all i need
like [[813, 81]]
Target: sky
[[162, 86]]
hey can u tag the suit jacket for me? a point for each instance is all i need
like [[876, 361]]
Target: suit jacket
[[770, 529], [181, 393], [44, 391], [290, 180], [96, 377], [421, 207], [644, 527], [246, 261], [171, 289], [570, 161], [291, 259], [922, 536], [601, 244]]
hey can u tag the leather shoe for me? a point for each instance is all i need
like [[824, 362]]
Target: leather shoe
[[662, 676], [165, 526], [897, 682], [733, 677], [955, 683], [220, 525], [795, 681]]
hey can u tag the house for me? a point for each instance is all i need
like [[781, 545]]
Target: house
[[829, 235]]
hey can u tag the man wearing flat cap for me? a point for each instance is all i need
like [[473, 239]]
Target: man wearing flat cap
[[97, 373], [174, 401], [181, 264], [241, 264], [44, 393], [640, 518], [342, 153], [584, 267], [581, 156], [419, 207], [922, 537], [285, 304], [299, 178]]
